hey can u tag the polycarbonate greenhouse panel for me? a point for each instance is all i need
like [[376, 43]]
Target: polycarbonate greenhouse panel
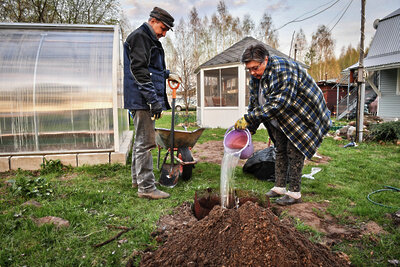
[[56, 90]]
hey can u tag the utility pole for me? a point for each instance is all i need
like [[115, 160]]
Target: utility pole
[[361, 80]]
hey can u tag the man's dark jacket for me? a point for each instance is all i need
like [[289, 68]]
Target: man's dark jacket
[[144, 70]]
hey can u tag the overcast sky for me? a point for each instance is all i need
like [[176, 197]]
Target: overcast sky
[[346, 31]]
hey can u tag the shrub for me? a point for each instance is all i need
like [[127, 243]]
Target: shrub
[[31, 187], [53, 166], [387, 131]]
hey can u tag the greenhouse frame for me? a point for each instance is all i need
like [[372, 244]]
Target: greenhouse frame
[[61, 95]]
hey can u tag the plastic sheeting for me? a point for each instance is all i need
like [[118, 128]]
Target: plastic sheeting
[[56, 90]]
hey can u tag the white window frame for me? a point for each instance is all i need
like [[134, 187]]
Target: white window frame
[[398, 82]]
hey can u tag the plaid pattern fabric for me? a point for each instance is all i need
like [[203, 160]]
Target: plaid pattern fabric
[[294, 100]]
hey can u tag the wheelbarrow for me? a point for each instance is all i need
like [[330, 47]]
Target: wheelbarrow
[[183, 142]]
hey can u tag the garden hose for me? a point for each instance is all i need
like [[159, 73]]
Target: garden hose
[[388, 188]]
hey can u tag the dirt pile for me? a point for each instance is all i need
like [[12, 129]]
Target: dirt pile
[[249, 235]]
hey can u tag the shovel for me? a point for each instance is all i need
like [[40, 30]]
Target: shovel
[[169, 172]]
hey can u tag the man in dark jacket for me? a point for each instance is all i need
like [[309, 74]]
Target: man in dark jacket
[[145, 95]]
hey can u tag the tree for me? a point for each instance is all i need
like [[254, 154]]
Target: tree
[[248, 26], [322, 50], [267, 31], [348, 56], [224, 29], [300, 45], [196, 29], [60, 11], [182, 58]]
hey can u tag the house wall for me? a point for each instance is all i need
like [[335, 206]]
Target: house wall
[[220, 117], [223, 117], [330, 95], [389, 103]]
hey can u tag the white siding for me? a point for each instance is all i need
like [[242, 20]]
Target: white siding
[[389, 104], [221, 117]]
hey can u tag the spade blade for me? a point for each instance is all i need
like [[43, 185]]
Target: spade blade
[[169, 175]]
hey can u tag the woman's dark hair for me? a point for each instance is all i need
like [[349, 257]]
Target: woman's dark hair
[[256, 52]]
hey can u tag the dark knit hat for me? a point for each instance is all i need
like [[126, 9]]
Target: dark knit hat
[[163, 16]]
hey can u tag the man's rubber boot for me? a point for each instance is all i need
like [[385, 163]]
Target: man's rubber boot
[[156, 194]]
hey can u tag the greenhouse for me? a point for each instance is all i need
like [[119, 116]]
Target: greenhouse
[[61, 95]]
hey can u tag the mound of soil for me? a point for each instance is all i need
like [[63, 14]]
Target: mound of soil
[[250, 235]]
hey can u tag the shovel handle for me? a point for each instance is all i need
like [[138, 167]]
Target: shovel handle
[[173, 85]]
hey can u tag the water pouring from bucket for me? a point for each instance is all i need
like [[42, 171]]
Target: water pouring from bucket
[[237, 144]]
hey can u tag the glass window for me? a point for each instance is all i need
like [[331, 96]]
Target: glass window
[[230, 87], [211, 87], [221, 87]]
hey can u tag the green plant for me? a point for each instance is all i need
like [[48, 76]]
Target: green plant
[[387, 131], [31, 187], [52, 166]]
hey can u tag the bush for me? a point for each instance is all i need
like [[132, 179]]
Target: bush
[[387, 131], [31, 187], [52, 166]]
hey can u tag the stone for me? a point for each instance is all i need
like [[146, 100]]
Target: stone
[[29, 163]]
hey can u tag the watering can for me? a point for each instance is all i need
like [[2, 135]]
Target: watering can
[[238, 141]]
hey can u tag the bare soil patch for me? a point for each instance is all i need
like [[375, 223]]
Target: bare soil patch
[[213, 152], [315, 215], [253, 235], [250, 235]]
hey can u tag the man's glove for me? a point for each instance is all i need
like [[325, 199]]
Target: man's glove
[[156, 109], [174, 78], [241, 124]]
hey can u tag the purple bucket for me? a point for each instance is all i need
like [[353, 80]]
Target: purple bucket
[[239, 141]]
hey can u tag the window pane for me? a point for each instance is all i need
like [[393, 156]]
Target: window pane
[[211, 88], [230, 87]]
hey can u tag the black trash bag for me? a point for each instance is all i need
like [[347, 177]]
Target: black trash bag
[[262, 164]]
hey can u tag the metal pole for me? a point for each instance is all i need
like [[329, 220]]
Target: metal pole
[[348, 98], [361, 80], [337, 99], [35, 119]]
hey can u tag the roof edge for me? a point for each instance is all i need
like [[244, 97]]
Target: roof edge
[[41, 26]]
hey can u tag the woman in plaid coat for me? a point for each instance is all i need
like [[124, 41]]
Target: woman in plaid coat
[[286, 99]]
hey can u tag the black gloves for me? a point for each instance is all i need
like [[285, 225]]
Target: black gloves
[[156, 110]]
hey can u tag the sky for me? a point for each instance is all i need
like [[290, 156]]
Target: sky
[[343, 18]]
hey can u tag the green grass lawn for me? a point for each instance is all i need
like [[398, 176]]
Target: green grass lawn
[[93, 198]]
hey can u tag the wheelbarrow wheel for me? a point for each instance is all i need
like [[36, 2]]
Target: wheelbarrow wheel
[[186, 156]]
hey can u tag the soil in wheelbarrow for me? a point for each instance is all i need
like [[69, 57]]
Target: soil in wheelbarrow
[[250, 235]]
